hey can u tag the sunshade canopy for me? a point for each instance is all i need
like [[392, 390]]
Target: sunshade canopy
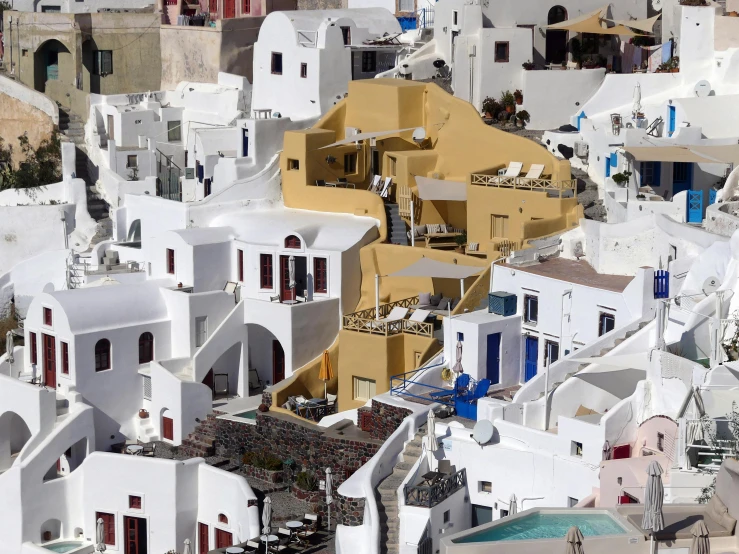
[[426, 267], [646, 25], [365, 136], [439, 189], [726, 153], [591, 23]]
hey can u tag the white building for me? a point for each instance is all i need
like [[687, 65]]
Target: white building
[[304, 59]]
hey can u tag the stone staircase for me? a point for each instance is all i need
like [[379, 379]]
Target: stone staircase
[[396, 227], [602, 353], [387, 495], [201, 443]]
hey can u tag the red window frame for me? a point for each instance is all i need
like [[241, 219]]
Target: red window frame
[[48, 318], [229, 9], [320, 278], [292, 242], [213, 7], [65, 358], [246, 7], [134, 502], [266, 271], [170, 261], [34, 349], [240, 262], [108, 527]]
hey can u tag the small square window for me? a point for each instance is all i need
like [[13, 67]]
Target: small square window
[[24, 52], [47, 317], [293, 165], [486, 486], [276, 63], [350, 164], [576, 449], [369, 61], [134, 502], [530, 308], [503, 513], [132, 161], [460, 337], [447, 516], [303, 70], [606, 323], [661, 442], [501, 52], [174, 133]]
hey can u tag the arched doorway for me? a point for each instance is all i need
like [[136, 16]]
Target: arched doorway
[[52, 62], [267, 359], [14, 434], [556, 40]]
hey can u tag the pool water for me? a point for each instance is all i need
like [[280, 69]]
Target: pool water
[[64, 546], [251, 414], [547, 526]]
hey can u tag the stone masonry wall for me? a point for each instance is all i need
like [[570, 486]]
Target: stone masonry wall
[[386, 419]]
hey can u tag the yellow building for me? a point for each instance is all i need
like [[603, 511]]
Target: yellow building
[[444, 163]]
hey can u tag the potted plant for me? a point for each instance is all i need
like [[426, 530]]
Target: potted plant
[[461, 240], [528, 66], [490, 107], [508, 101], [143, 414], [621, 178], [522, 118], [518, 95]]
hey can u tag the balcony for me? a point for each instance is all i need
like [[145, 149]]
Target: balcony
[[366, 321], [563, 187], [428, 496]]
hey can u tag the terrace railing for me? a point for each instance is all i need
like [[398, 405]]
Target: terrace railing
[[523, 183], [365, 321], [428, 496]]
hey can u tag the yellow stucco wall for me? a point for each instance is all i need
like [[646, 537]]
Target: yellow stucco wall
[[20, 117]]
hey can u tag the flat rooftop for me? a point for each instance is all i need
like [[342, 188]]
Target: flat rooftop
[[578, 272]]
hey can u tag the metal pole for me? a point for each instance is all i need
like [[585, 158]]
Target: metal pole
[[413, 227], [377, 296], [461, 288]]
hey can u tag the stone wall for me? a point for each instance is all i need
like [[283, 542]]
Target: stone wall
[[349, 511], [386, 419]]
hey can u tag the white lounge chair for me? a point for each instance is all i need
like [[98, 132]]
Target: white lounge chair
[[375, 185], [514, 169], [396, 314], [535, 171], [419, 315], [385, 187]]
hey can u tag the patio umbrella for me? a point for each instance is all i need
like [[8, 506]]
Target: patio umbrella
[[100, 536], [187, 549], [574, 540], [513, 505], [458, 366], [267, 516], [431, 438], [653, 498], [326, 373], [329, 492], [700, 544], [9, 346], [637, 100], [291, 274]]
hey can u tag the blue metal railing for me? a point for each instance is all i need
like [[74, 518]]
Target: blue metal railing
[[399, 385]]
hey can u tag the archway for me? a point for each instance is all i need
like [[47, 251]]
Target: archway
[[14, 434], [51, 530], [556, 40], [134, 231], [267, 358], [52, 62], [225, 376]]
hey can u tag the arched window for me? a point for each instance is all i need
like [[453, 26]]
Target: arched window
[[146, 348], [102, 355], [556, 15], [292, 242]]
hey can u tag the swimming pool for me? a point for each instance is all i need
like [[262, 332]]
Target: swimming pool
[[63, 546], [251, 414], [547, 526]]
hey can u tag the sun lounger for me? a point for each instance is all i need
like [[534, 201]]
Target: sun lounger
[[396, 314], [375, 185], [420, 316], [385, 187], [535, 171], [514, 169]]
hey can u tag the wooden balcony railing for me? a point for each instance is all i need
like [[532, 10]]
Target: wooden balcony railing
[[430, 495], [364, 321], [524, 183]]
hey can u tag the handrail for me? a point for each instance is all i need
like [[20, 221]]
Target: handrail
[[385, 309], [523, 182], [429, 496]]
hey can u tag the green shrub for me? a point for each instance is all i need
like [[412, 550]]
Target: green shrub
[[306, 481], [262, 460]]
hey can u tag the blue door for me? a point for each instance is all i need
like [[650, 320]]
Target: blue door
[[245, 142], [532, 357], [671, 121], [493, 363], [711, 196], [580, 117], [52, 65], [695, 206], [682, 177], [608, 166]]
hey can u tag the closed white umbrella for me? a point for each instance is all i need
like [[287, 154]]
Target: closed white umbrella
[[9, 346], [329, 493], [513, 505], [100, 536], [291, 274], [187, 549], [267, 516], [653, 498], [458, 366], [637, 99], [701, 544], [431, 438], [574, 540]]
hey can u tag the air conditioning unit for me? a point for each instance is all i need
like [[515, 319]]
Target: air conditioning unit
[[502, 303], [581, 149]]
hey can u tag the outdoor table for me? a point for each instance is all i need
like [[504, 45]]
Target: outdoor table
[[431, 477], [234, 550], [266, 539], [294, 527], [134, 449], [312, 405]]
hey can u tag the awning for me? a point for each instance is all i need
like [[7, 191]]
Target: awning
[[645, 25], [426, 267], [728, 153], [439, 189], [365, 136], [591, 23]]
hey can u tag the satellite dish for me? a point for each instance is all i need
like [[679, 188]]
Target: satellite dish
[[419, 135], [482, 432], [657, 5], [702, 88], [438, 64], [710, 285]]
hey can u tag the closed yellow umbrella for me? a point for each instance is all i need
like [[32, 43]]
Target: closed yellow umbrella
[[326, 373]]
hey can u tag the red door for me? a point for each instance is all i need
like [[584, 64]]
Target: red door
[[278, 362], [286, 292], [229, 9], [203, 538], [134, 529], [168, 428], [49, 360], [223, 539]]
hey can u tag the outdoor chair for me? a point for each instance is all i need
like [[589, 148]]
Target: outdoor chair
[[320, 182], [460, 387], [310, 522], [301, 299], [445, 467], [274, 298], [396, 314], [342, 180], [386, 187], [481, 389], [419, 316], [375, 185], [254, 381], [252, 546], [535, 171], [149, 450], [282, 532], [514, 169]]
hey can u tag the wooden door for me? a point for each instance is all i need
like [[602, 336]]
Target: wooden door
[[223, 539], [229, 9], [203, 541], [49, 344], [286, 292], [278, 362], [168, 428], [134, 529]]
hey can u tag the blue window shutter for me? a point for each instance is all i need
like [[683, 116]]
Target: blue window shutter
[[614, 160]]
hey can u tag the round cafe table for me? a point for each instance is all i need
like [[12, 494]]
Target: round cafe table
[[134, 449], [266, 539], [294, 527], [234, 550]]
